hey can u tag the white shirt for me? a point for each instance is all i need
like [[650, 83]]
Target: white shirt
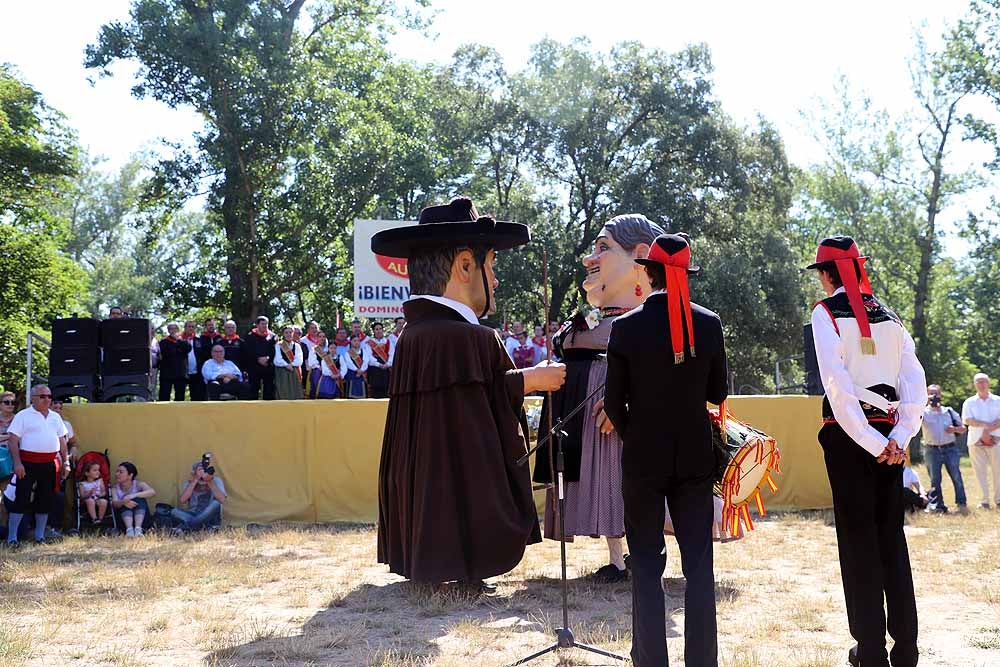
[[842, 366], [347, 364], [309, 347], [394, 338], [38, 433], [192, 360], [381, 341], [457, 306], [279, 359], [910, 478], [512, 343], [211, 370], [984, 410]]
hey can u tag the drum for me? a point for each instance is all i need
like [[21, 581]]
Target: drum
[[747, 460]]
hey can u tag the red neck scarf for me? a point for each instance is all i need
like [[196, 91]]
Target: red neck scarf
[[845, 261], [231, 337], [256, 333], [678, 297], [340, 341], [185, 336]]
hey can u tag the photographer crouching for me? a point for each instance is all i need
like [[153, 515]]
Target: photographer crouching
[[203, 493]]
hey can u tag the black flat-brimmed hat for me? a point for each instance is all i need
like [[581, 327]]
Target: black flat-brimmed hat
[[450, 225]]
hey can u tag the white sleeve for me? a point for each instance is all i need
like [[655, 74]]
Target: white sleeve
[[392, 352], [838, 384], [967, 410], [207, 374], [297, 358], [912, 387], [366, 358], [279, 360]]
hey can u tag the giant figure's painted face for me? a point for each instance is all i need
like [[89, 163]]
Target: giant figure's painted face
[[611, 273]]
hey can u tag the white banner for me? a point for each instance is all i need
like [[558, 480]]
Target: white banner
[[381, 284]]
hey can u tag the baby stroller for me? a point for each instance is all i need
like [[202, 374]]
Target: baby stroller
[[108, 523]]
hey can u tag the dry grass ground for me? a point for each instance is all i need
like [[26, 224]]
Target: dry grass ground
[[293, 596]]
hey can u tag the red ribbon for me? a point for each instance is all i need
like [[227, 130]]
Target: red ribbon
[[678, 297]]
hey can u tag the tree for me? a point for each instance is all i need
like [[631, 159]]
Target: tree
[[37, 282], [264, 86]]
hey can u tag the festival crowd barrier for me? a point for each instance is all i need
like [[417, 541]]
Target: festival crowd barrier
[[317, 461]]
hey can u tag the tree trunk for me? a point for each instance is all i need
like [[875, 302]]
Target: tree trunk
[[243, 273], [926, 246]]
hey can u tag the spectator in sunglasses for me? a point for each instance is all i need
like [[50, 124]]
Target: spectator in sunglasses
[[7, 402]]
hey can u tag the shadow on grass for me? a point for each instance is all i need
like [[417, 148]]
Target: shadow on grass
[[400, 624]]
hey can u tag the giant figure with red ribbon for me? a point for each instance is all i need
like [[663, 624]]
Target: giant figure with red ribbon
[[875, 396]]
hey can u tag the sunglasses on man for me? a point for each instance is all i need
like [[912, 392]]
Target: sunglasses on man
[[7, 401]]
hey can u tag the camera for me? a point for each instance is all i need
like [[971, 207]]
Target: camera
[[206, 463], [935, 401]]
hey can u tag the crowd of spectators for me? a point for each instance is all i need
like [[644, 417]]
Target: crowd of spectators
[[295, 364]]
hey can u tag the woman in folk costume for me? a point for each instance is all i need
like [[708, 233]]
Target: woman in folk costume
[[615, 285], [354, 365], [324, 370], [288, 366]]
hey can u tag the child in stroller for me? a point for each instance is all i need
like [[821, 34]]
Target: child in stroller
[[93, 492]]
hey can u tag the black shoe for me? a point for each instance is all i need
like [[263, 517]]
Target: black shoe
[[852, 656], [628, 563], [486, 588], [609, 574], [12, 546]]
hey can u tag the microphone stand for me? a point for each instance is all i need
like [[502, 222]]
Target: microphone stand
[[564, 635]]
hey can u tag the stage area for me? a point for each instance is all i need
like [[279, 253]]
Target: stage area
[[317, 461]]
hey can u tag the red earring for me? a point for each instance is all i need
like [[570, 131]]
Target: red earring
[[638, 290]]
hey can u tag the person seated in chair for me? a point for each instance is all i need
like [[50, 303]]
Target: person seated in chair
[[204, 494], [222, 376]]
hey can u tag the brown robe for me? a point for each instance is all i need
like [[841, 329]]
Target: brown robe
[[453, 503]]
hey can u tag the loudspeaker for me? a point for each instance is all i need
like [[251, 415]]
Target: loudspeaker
[[73, 361], [126, 333], [814, 385], [125, 361], [75, 332]]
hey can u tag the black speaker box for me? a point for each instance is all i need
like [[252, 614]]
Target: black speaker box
[[126, 333], [75, 332], [73, 361], [125, 361], [814, 385]]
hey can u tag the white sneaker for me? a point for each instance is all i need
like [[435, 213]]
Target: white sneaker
[[129, 532], [137, 531]]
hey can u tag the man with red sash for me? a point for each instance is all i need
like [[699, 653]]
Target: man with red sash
[[875, 396], [37, 445], [382, 351]]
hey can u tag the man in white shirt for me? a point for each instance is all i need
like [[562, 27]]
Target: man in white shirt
[[398, 325], [512, 340], [981, 413], [37, 446], [875, 396], [222, 376]]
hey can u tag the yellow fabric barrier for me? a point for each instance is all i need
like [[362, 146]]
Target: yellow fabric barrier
[[318, 460]]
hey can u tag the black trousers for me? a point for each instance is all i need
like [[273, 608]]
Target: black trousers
[[36, 491], [692, 510], [874, 562], [177, 384], [234, 387], [261, 380], [197, 384]]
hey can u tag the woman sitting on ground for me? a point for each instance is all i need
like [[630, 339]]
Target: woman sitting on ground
[[128, 496]]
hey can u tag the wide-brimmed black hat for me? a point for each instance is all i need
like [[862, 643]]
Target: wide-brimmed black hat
[[670, 250], [454, 224]]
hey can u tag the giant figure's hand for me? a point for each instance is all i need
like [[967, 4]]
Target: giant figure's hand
[[546, 376]]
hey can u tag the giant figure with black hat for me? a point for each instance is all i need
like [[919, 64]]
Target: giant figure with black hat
[[666, 359], [453, 503], [875, 396]]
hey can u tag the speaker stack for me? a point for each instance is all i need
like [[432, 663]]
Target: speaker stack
[[74, 358], [125, 365]]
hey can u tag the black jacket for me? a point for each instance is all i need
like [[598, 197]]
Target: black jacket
[[203, 345], [658, 407], [257, 346], [173, 358]]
